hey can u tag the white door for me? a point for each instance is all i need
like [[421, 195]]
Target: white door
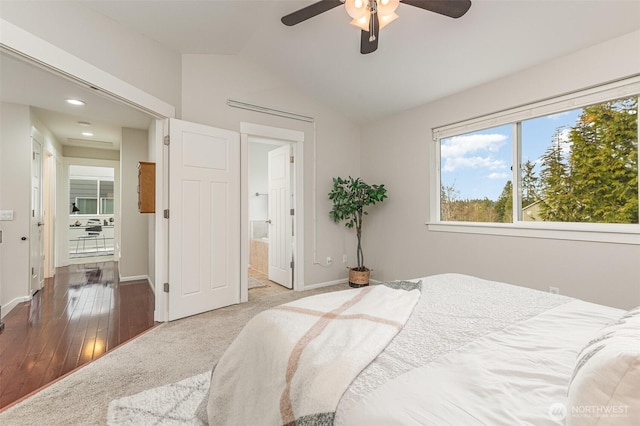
[[36, 242], [204, 223], [280, 219]]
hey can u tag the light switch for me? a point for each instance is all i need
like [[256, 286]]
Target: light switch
[[6, 214]]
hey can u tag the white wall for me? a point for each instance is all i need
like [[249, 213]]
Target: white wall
[[134, 227], [15, 184], [102, 42], [209, 80], [395, 152], [96, 153]]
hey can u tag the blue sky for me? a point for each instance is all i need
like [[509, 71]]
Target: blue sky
[[478, 164]]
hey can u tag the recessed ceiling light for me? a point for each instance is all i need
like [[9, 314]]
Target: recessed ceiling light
[[76, 102], [87, 134], [84, 123]]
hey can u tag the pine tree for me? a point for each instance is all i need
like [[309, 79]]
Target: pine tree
[[504, 204], [598, 180], [529, 184], [555, 178], [604, 162]]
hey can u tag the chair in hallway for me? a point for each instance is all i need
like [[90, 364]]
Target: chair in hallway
[[94, 231]]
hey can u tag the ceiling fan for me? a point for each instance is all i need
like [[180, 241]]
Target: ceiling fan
[[373, 15]]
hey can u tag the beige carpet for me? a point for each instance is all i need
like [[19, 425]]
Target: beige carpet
[[167, 354]]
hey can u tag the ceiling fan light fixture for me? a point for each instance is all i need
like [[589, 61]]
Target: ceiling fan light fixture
[[387, 19], [357, 8], [361, 11], [362, 23], [387, 7]]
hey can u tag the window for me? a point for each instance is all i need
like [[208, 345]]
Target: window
[[576, 162], [474, 174], [85, 193]]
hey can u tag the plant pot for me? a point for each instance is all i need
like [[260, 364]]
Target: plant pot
[[359, 278]]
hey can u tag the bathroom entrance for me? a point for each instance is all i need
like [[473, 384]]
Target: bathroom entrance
[[271, 192]]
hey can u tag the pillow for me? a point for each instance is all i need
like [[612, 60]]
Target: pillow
[[605, 387]]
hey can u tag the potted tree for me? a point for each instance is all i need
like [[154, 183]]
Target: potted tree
[[350, 197]]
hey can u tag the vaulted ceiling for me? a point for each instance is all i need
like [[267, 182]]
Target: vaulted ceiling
[[422, 56]]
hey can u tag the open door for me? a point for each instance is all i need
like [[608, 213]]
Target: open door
[[36, 242], [204, 222], [280, 216]]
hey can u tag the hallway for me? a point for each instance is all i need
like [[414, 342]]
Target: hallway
[[78, 316]]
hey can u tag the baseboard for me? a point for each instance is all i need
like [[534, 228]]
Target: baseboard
[[153, 288], [134, 278], [15, 302], [325, 284]]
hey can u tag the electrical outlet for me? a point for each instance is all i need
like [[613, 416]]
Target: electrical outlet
[[554, 290], [344, 258], [329, 260]]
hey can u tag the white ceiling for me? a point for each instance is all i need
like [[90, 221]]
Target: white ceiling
[[27, 84], [421, 57]]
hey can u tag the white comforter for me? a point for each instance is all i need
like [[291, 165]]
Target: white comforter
[[475, 352], [515, 376]]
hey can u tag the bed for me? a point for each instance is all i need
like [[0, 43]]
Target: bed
[[468, 352]]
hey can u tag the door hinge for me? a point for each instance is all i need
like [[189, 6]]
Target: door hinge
[[33, 213], [166, 287], [291, 159], [292, 264], [166, 213], [166, 140], [33, 271], [292, 212], [34, 155]]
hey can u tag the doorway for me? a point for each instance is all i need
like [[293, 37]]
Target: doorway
[[255, 209], [92, 201], [271, 197]]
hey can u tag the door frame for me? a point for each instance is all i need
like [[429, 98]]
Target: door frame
[[39, 52], [296, 139], [37, 214], [49, 204]]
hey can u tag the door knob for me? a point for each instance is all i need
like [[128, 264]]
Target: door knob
[[268, 221], [40, 223]]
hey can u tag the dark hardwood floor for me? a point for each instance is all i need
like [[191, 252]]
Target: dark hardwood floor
[[78, 316]]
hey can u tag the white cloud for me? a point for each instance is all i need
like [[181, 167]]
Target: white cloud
[[459, 146], [498, 175], [451, 164], [563, 135], [457, 152]]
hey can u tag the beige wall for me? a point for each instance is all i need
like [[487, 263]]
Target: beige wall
[[15, 183], [98, 154], [209, 80], [134, 237], [396, 152]]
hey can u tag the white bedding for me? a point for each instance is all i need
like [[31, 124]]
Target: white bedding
[[511, 338], [473, 352], [515, 376]]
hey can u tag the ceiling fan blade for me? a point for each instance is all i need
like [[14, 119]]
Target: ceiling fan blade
[[309, 12], [451, 8], [366, 44]]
